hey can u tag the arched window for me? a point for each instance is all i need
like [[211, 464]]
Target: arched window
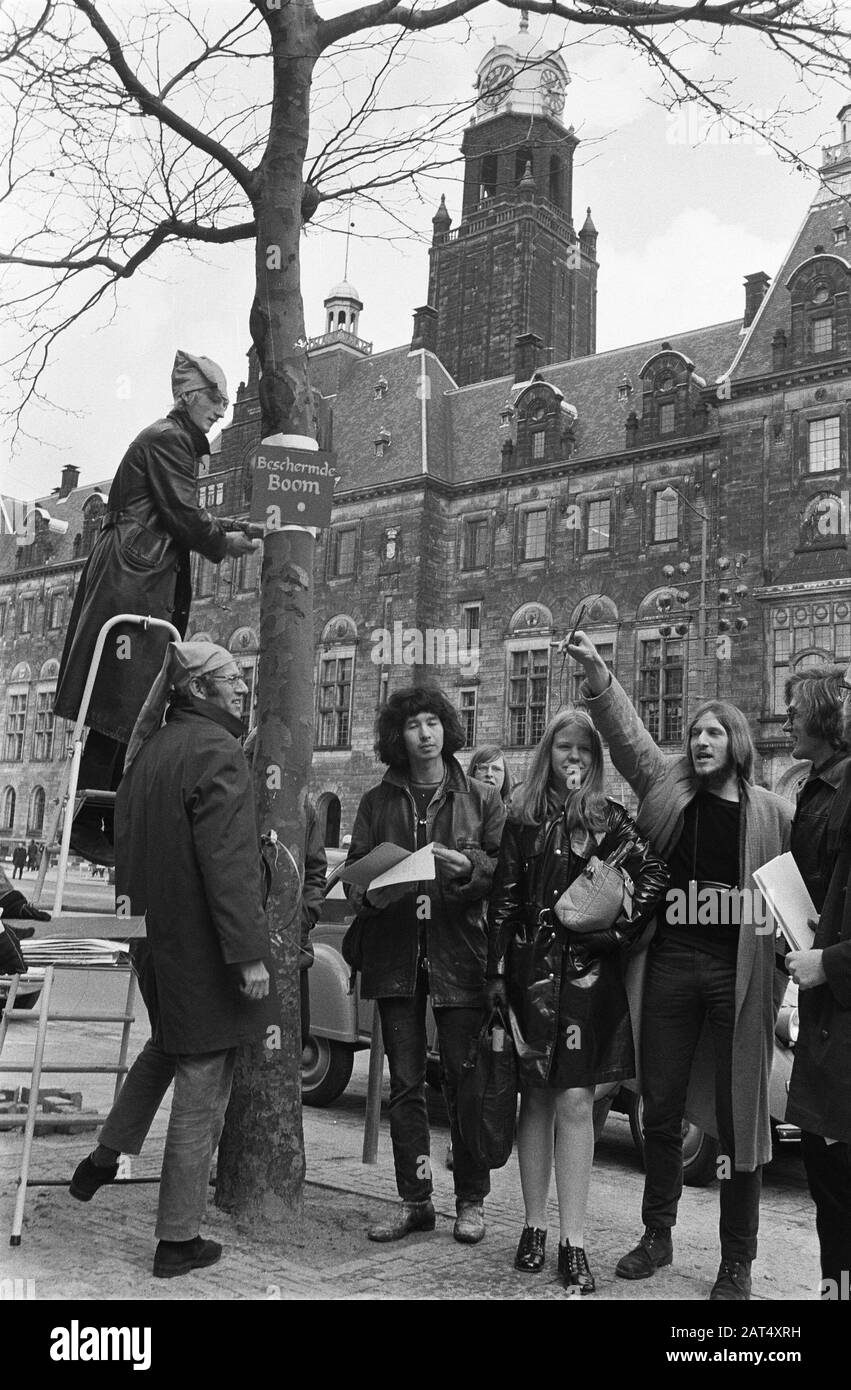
[[8, 809], [35, 819], [93, 510]]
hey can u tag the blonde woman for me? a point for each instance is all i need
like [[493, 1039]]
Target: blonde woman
[[567, 987]]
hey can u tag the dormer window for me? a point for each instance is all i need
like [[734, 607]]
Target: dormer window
[[539, 444], [506, 415], [667, 418], [820, 321], [382, 443], [840, 234], [625, 389], [380, 389]]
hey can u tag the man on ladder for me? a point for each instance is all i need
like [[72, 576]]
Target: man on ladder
[[140, 564]]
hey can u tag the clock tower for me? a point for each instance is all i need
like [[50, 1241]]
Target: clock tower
[[514, 267]]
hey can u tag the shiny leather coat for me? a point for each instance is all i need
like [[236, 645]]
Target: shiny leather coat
[[468, 817], [820, 1086], [139, 564], [536, 864]]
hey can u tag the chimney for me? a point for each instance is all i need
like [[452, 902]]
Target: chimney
[[70, 479], [527, 354], [425, 329], [756, 287]]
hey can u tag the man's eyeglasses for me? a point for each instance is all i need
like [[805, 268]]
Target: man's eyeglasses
[[228, 680], [212, 395]]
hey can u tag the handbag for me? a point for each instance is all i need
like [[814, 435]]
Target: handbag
[[597, 897], [486, 1098]]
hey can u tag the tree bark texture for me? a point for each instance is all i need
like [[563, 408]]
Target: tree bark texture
[[261, 1160]]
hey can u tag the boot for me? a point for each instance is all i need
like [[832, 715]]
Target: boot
[[654, 1250], [411, 1216]]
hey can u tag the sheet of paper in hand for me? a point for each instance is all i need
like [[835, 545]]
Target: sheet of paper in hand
[[387, 865], [788, 900]]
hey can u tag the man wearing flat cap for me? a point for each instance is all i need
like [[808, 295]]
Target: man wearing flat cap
[[187, 857], [141, 564]]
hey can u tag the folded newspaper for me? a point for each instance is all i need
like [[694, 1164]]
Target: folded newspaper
[[788, 900], [47, 950]]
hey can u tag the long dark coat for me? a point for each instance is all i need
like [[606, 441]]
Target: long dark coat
[[548, 988], [139, 564], [820, 1088], [187, 856], [664, 786]]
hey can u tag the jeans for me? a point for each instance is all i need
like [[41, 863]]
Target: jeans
[[829, 1176], [684, 987], [403, 1029], [202, 1085]]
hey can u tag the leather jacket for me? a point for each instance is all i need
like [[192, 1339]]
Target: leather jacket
[[536, 865], [441, 921]]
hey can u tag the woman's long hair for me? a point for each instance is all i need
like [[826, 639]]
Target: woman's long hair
[[487, 755], [536, 799]]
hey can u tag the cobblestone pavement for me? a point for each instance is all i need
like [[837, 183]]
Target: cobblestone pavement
[[103, 1250]]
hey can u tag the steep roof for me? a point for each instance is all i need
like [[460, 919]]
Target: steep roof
[[774, 311], [588, 383]]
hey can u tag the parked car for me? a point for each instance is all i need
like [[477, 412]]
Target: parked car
[[341, 1025]]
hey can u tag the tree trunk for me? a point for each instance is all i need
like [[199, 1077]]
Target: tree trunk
[[261, 1159]]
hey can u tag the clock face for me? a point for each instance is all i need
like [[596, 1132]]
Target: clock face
[[552, 91], [496, 84]]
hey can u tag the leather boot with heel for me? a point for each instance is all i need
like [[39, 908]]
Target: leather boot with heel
[[653, 1251]]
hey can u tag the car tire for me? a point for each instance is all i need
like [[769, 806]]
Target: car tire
[[700, 1150], [326, 1069]]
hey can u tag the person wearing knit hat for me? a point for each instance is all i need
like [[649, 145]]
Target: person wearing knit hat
[[140, 563], [188, 858]]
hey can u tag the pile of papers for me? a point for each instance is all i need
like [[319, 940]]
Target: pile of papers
[[48, 950]]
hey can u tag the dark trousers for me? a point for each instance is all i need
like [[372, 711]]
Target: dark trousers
[[829, 1176], [685, 986], [102, 763], [403, 1028]]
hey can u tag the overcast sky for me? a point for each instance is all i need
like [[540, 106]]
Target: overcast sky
[[683, 214]]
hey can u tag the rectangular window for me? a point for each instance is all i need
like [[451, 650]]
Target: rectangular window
[[823, 444], [335, 702], [27, 605], [468, 715], [206, 574], [43, 731], [3, 610], [248, 669], [342, 554], [534, 526], [823, 334], [842, 642], [782, 667], [666, 418], [527, 695], [666, 517], [56, 610], [599, 524], [16, 719], [472, 623], [539, 440], [660, 700], [475, 549], [211, 494]]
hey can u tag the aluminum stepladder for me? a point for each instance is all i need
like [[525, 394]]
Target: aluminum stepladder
[[68, 792]]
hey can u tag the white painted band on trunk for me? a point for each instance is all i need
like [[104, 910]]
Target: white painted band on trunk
[[295, 441]]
